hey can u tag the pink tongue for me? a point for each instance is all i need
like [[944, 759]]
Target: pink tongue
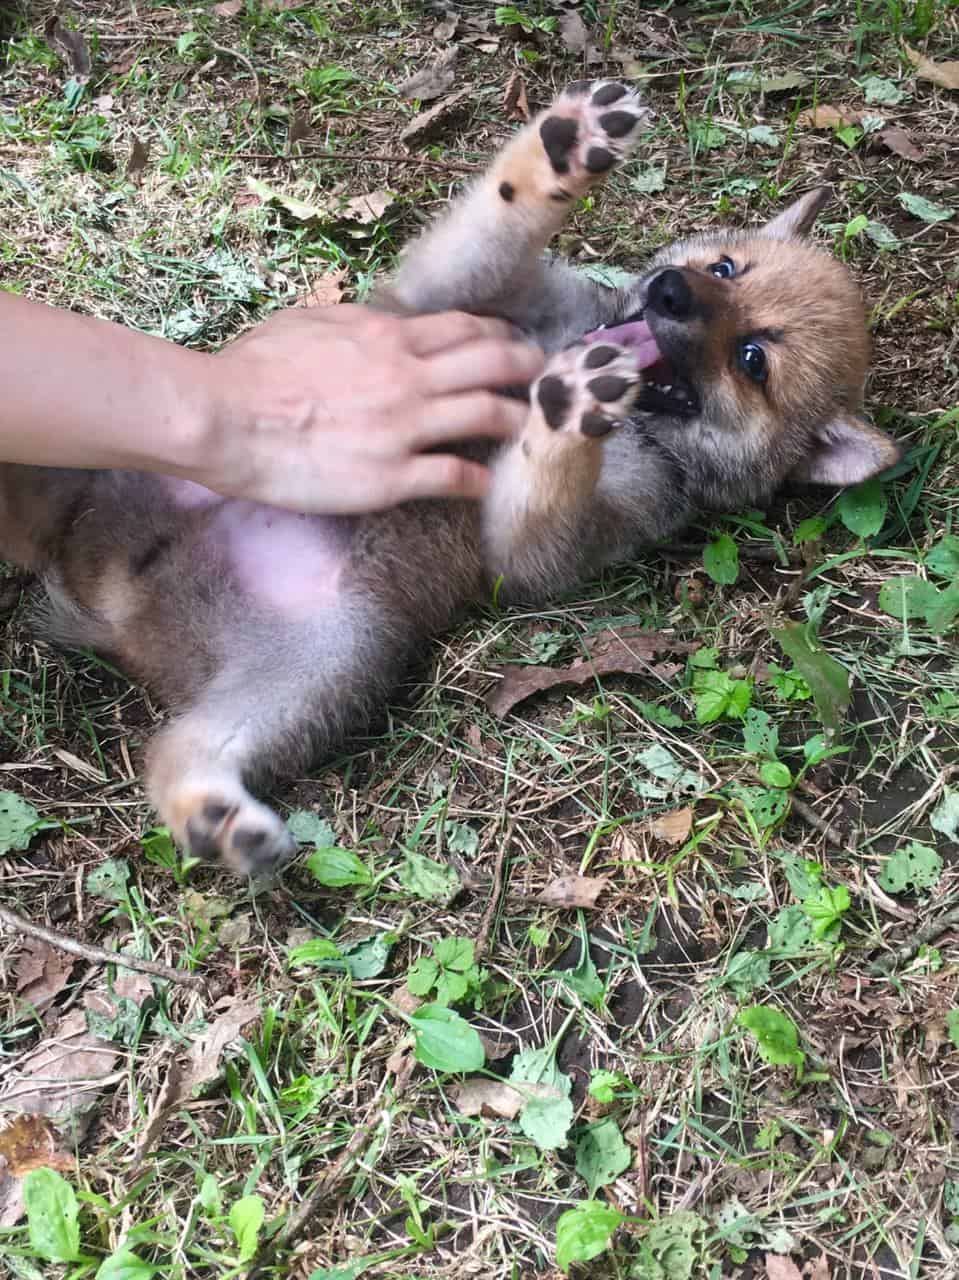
[[636, 335]]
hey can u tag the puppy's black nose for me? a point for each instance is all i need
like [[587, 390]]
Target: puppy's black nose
[[670, 295]]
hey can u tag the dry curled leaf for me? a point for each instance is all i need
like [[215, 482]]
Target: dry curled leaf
[[70, 46], [41, 973], [446, 29], [944, 74], [325, 291], [139, 155], [626, 651], [441, 118], [576, 37], [28, 1143], [367, 208], [828, 117], [674, 827], [206, 1052], [573, 891], [433, 81], [479, 1097], [781, 1268], [514, 99], [228, 8], [899, 141]]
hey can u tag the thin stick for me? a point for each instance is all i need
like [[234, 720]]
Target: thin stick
[[96, 955], [482, 936], [902, 954], [808, 814]]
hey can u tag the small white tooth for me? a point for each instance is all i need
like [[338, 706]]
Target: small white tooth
[[668, 387]]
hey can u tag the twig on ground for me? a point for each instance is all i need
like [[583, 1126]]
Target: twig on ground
[[482, 934], [808, 814], [96, 955], [890, 962]]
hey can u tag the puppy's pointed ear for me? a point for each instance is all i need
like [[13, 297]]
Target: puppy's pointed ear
[[797, 220], [847, 450]]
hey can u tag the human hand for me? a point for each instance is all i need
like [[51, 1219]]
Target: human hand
[[333, 410]]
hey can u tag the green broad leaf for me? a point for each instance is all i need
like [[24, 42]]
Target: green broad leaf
[[907, 596], [451, 987], [548, 1112], [926, 210], [803, 876], [863, 508], [763, 135], [585, 1232], [307, 827], [455, 953], [828, 680], [740, 697], [943, 559], [912, 868], [877, 89], [945, 817], [18, 822], [461, 838], [422, 976], [53, 1217], [611, 277], [745, 972], [604, 1084], [649, 180], [705, 135], [815, 750], [775, 774], [209, 1196], [670, 1241], [348, 1271], [881, 235], [826, 908], [760, 735], [721, 560], [246, 1219], [602, 1155], [789, 685], [445, 1041], [790, 933], [767, 805], [316, 951], [368, 959], [337, 868], [658, 715], [124, 1264], [943, 611], [302, 210], [713, 696], [425, 878], [776, 1035], [788, 82], [811, 529]]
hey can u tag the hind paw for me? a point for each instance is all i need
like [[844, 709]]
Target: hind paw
[[221, 822], [585, 391], [588, 130]]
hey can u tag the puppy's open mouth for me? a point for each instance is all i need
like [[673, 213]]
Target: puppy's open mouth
[[664, 389]]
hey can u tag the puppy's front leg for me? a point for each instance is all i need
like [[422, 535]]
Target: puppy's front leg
[[484, 255], [542, 508]]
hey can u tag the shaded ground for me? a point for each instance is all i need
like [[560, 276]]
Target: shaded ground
[[860, 1165]]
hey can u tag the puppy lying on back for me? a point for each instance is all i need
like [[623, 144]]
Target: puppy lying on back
[[736, 360]]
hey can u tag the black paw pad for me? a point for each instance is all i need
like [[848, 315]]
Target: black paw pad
[[598, 160], [617, 123], [202, 843], [249, 840], [507, 190], [595, 425], [559, 138], [608, 387], [554, 400], [215, 813], [609, 93], [598, 356]]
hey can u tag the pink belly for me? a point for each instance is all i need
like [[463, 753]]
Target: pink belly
[[291, 563]]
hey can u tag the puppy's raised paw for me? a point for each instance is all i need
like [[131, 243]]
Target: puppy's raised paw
[[588, 130]]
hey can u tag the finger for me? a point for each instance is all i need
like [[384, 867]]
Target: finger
[[483, 364], [428, 335], [441, 475], [468, 416]]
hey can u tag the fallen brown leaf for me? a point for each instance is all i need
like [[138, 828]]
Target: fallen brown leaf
[[70, 46], [228, 8], [206, 1052], [780, 1268], [627, 651], [405, 1002], [326, 291], [482, 43], [818, 1269], [401, 1063], [514, 99], [367, 208], [945, 74], [828, 117], [674, 827], [433, 81], [899, 141], [139, 155], [31, 1142], [573, 891], [446, 29], [441, 118], [576, 37], [41, 973], [479, 1097], [236, 931]]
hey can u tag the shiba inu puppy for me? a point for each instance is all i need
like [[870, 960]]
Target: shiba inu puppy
[[734, 362]]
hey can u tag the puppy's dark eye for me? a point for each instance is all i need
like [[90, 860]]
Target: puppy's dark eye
[[725, 268], [752, 361]]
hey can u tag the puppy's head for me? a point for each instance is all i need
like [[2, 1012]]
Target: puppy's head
[[754, 348]]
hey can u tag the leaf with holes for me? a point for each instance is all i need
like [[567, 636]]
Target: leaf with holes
[[862, 509], [307, 827], [760, 735], [776, 1035], [721, 560], [585, 1232], [828, 680], [427, 879], [601, 1155], [914, 867], [445, 1041], [18, 822], [790, 933], [943, 559]]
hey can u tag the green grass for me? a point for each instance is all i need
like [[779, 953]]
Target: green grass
[[655, 1100]]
